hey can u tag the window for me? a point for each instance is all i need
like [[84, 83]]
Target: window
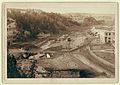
[[105, 39], [109, 40], [106, 33], [113, 33], [109, 33]]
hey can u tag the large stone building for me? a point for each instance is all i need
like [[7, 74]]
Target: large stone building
[[104, 36]]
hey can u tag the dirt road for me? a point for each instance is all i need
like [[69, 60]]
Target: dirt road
[[97, 62]]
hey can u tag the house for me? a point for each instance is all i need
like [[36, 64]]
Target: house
[[43, 35], [47, 55], [104, 36], [38, 56]]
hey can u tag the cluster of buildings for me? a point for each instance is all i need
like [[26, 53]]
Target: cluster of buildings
[[103, 36]]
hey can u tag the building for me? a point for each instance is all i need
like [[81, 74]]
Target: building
[[109, 36], [43, 35], [104, 36]]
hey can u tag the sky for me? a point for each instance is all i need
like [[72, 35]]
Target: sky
[[99, 8]]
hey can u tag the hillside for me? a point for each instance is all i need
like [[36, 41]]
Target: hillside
[[108, 19], [29, 23], [51, 45]]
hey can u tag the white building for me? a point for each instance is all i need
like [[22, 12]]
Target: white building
[[104, 36], [47, 55]]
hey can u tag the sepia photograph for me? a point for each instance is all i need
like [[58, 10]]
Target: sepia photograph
[[60, 40]]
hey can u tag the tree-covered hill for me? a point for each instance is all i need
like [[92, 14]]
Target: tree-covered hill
[[31, 22]]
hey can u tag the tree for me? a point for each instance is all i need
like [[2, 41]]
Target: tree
[[12, 71]]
